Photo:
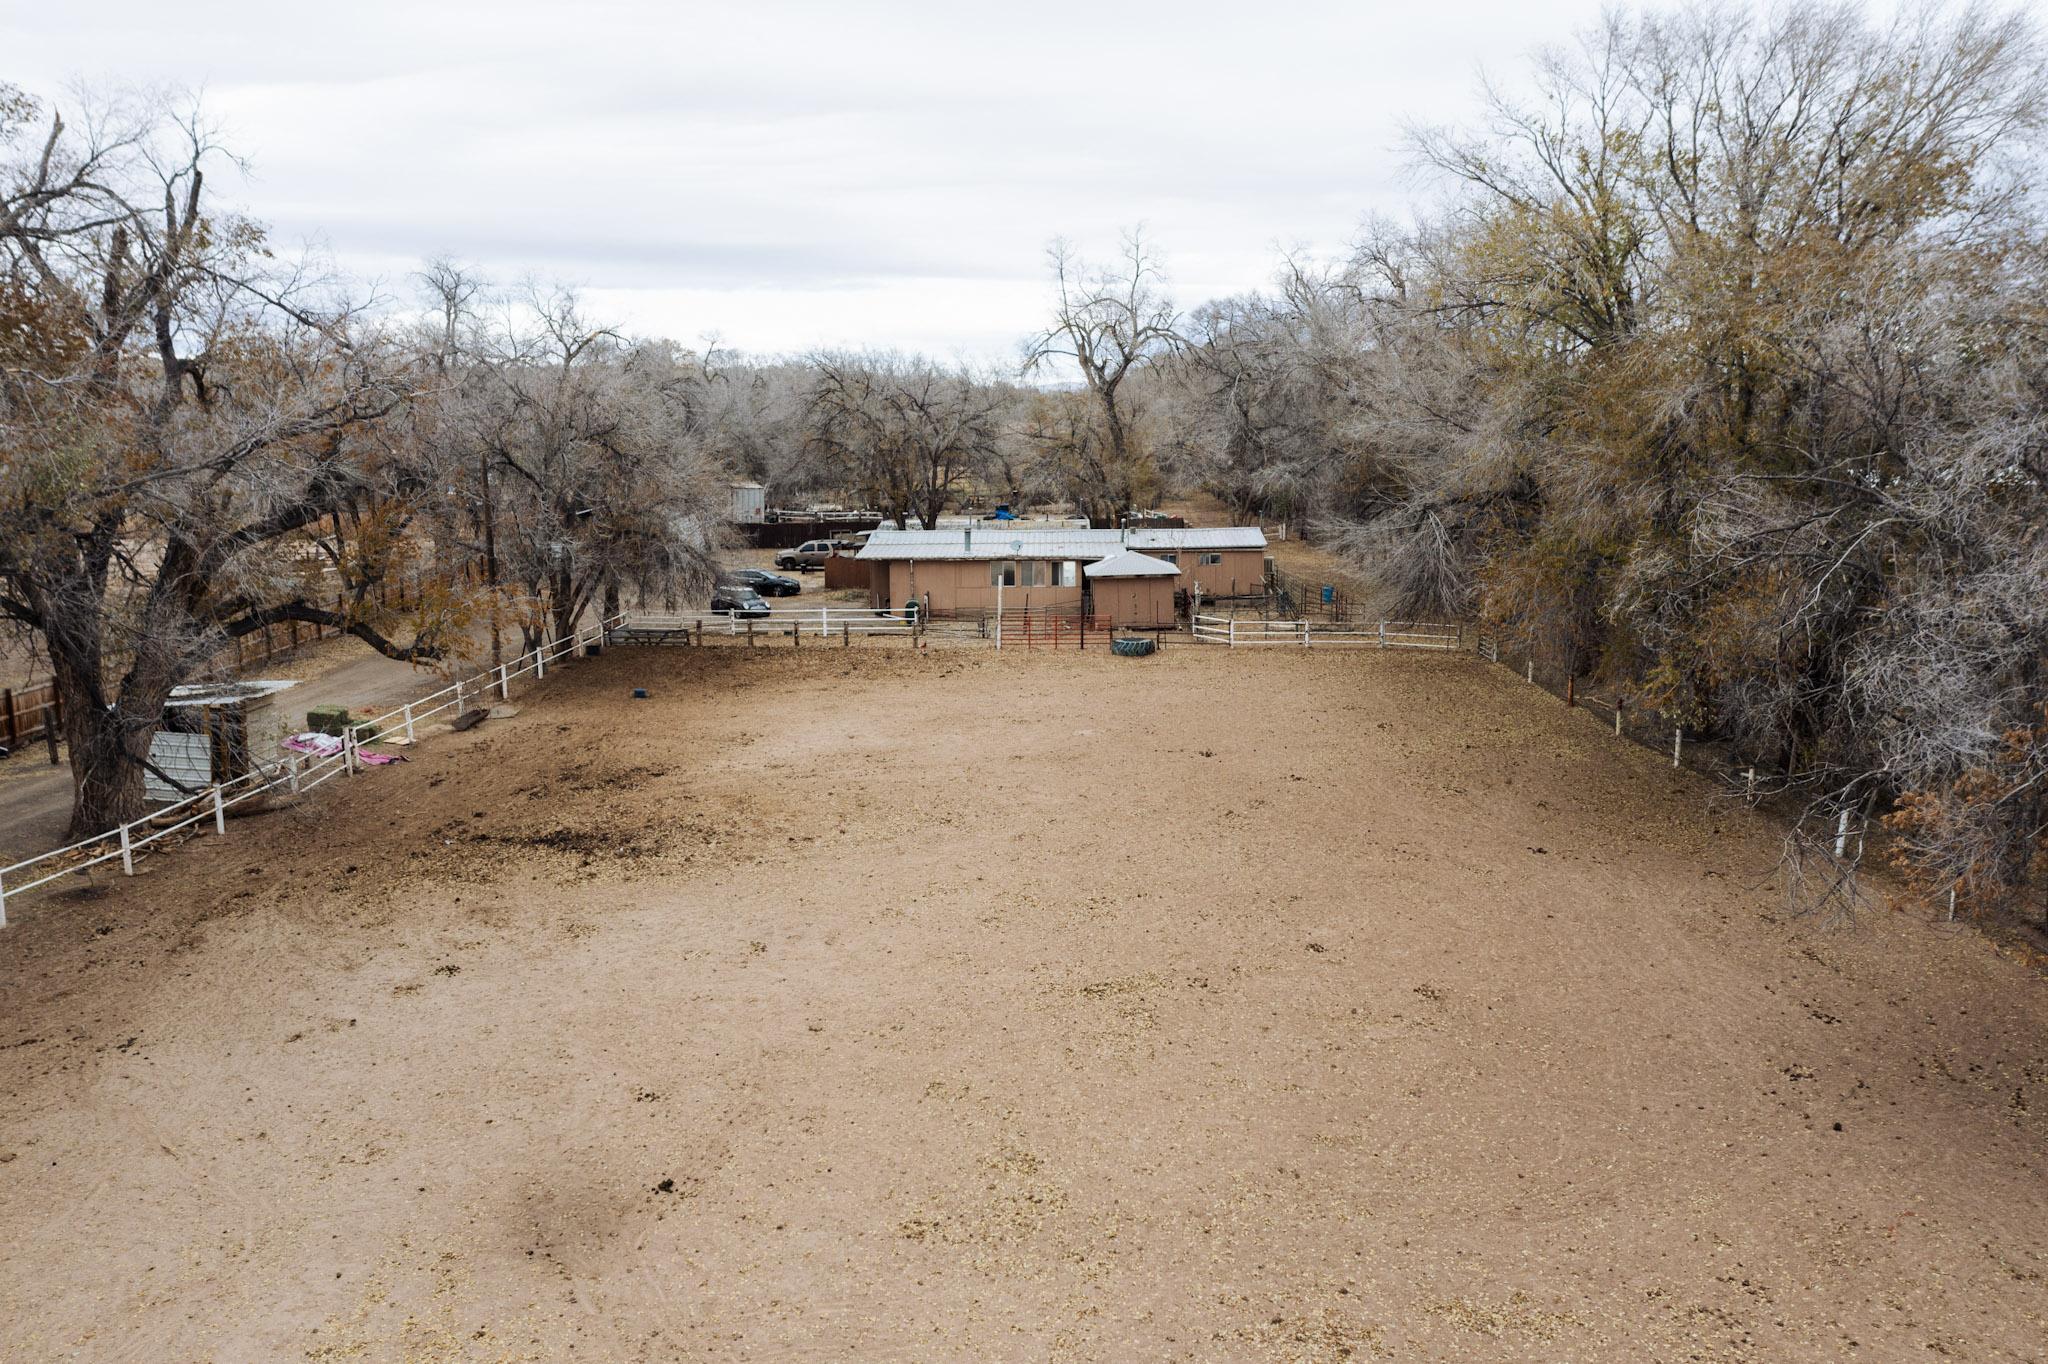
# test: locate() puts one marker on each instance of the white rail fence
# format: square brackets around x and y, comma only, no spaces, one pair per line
[821,622]
[1244,632]
[294,773]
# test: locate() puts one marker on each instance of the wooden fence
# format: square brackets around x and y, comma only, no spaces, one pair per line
[28,714]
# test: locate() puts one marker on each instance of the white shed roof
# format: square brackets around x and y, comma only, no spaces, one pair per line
[995,540]
[1131,564]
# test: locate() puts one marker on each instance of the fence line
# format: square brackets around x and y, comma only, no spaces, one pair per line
[1239,632]
[293,773]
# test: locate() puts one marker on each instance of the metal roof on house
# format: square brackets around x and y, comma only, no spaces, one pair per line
[226,693]
[995,540]
[1131,564]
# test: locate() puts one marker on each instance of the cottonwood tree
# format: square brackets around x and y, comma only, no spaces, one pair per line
[905,432]
[1109,322]
[1721,376]
[593,448]
[179,419]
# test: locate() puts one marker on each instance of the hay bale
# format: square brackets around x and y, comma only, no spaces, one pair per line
[333,720]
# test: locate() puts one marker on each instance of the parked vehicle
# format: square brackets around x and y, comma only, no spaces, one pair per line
[806,556]
[743,602]
[762,581]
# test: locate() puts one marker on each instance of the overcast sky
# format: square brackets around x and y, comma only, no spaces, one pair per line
[793,175]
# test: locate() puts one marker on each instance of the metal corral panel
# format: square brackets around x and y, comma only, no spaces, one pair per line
[187,757]
[994,540]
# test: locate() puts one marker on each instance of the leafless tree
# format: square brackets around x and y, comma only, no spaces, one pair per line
[179,418]
[1109,323]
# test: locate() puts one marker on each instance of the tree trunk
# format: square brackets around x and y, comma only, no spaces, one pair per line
[108,745]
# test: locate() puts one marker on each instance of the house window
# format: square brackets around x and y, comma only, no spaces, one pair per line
[1211,559]
[1019,573]
[1070,573]
[1170,558]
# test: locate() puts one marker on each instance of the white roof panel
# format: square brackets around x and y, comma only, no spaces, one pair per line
[1131,564]
[995,540]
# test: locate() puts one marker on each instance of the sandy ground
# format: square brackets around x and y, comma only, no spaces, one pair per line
[951,1006]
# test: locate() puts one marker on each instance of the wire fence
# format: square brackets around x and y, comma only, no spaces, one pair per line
[291,773]
[1632,718]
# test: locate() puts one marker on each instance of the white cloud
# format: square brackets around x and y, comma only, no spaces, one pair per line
[789,175]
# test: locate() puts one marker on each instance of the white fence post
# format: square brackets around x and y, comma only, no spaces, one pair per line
[1677,742]
[504,685]
[348,753]
[1383,634]
[127,853]
[1233,632]
[1529,671]
[292,772]
[220,813]
[408,725]
[3,903]
[824,621]
[1304,634]
[540,657]
[1842,834]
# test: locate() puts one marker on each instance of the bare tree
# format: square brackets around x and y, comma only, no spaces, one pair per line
[178,420]
[906,433]
[1109,322]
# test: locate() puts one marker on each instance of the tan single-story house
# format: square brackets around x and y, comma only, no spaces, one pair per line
[956,570]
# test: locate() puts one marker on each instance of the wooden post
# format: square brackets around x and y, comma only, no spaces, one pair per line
[845,635]
[220,813]
[53,716]
[700,632]
[750,632]
[1530,673]
[7,702]
[796,633]
[1571,694]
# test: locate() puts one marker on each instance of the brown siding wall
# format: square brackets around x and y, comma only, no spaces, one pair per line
[963,585]
[1135,601]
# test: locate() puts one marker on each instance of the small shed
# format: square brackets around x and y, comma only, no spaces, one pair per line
[1129,588]
[212,732]
[749,503]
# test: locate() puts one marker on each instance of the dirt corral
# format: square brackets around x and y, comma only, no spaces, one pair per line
[869,1005]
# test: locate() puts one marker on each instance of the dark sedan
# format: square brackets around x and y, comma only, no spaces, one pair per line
[762,581]
[743,602]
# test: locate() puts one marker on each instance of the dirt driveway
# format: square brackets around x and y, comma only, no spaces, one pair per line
[953,1006]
